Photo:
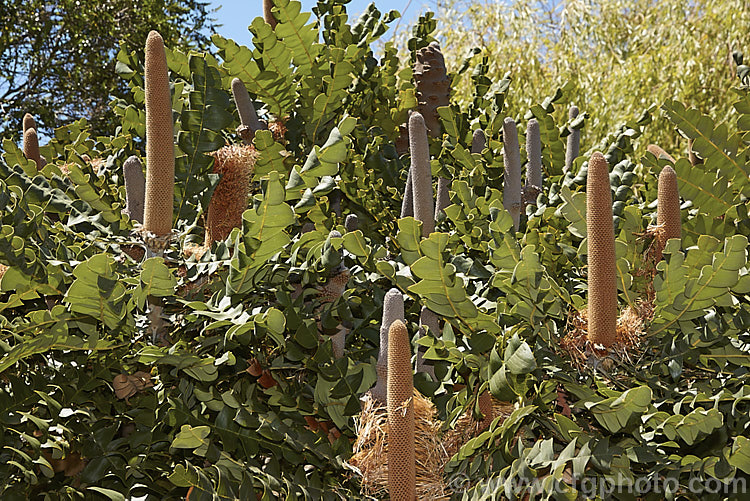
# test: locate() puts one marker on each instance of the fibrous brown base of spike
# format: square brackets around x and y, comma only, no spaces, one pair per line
[135,252]
[3,269]
[278,130]
[369,461]
[468,427]
[235,165]
[192,249]
[630,330]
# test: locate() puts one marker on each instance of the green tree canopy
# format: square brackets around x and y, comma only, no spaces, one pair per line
[57,58]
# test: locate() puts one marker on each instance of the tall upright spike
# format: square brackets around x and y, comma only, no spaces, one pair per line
[574,141]
[393,309]
[602,273]
[135,188]
[667,209]
[31,147]
[421,174]
[159,205]
[512,174]
[534,155]
[401,451]
[28,122]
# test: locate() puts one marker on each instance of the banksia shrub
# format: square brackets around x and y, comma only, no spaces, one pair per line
[512,174]
[135,188]
[249,122]
[574,141]
[432,85]
[235,165]
[478,141]
[159,203]
[268,14]
[421,175]
[393,309]
[667,210]
[602,274]
[401,455]
[31,147]
[659,152]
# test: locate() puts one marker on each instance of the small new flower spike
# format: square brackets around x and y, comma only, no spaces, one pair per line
[135,188]
[249,122]
[512,173]
[574,141]
[668,217]
[421,174]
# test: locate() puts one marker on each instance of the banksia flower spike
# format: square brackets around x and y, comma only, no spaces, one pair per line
[159,205]
[249,122]
[659,152]
[427,320]
[268,14]
[574,141]
[512,175]
[667,209]
[351,223]
[421,174]
[485,407]
[393,309]
[28,122]
[31,147]
[478,141]
[602,278]
[534,162]
[407,204]
[432,85]
[229,200]
[401,454]
[443,195]
[135,188]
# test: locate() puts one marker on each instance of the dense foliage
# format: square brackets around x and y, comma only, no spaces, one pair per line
[242,395]
[57,59]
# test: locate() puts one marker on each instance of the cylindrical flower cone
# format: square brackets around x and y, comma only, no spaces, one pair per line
[432,85]
[602,273]
[31,147]
[668,217]
[421,174]
[393,309]
[478,141]
[574,141]
[135,188]
[512,173]
[159,205]
[249,122]
[28,122]
[401,453]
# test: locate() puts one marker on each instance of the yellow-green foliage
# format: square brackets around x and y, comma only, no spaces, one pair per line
[671,48]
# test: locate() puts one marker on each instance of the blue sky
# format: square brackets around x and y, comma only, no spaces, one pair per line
[236,15]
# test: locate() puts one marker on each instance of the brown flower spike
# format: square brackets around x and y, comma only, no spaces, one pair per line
[668,209]
[602,274]
[401,454]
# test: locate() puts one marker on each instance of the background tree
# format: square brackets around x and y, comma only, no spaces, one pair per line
[57,58]
[619,56]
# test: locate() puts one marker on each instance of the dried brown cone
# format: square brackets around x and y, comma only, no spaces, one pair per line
[668,218]
[401,455]
[159,205]
[602,274]
[235,165]
[658,152]
[574,141]
[268,14]
[432,85]
[31,147]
